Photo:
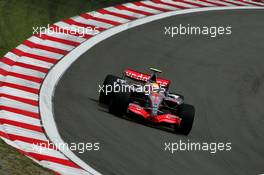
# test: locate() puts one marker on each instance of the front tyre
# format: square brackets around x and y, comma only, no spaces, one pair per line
[119,103]
[109,81]
[186,113]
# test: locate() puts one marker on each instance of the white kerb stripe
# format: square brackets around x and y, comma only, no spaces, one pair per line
[221,2]
[181,3]
[19,93]
[26,60]
[255,2]
[200,2]
[165,7]
[39,52]
[18,105]
[125,12]
[35,62]
[32,148]
[4,66]
[19,118]
[22,82]
[92,22]
[27,71]
[238,2]
[49,43]
[64,36]
[142,8]
[109,17]
[65,170]
[10,129]
[75,29]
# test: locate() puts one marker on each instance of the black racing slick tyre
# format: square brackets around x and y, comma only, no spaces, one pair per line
[104,97]
[119,103]
[186,113]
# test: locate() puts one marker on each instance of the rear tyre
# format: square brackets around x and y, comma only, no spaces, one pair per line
[186,113]
[119,103]
[109,81]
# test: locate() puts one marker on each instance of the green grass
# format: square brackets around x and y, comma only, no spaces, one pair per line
[18,17]
[14,163]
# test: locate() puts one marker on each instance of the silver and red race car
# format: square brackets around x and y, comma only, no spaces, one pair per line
[147,97]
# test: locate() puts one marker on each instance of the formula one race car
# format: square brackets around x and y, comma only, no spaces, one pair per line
[147,97]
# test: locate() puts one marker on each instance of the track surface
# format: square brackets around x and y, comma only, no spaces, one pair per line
[223,77]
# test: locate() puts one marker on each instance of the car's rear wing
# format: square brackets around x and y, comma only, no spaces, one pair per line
[144,77]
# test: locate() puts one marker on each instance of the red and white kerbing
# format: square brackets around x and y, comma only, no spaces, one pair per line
[25,104]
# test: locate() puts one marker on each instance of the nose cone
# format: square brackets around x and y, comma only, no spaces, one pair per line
[155,99]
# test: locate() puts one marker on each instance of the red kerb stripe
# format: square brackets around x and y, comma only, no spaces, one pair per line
[24,100]
[38,57]
[20,111]
[22,125]
[104,11]
[214,3]
[169,4]
[88,16]
[47,48]
[122,7]
[59,40]
[10,62]
[150,6]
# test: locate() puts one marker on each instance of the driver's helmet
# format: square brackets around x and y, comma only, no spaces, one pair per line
[152,87]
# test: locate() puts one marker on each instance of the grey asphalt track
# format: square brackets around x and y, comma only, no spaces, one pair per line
[222,77]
